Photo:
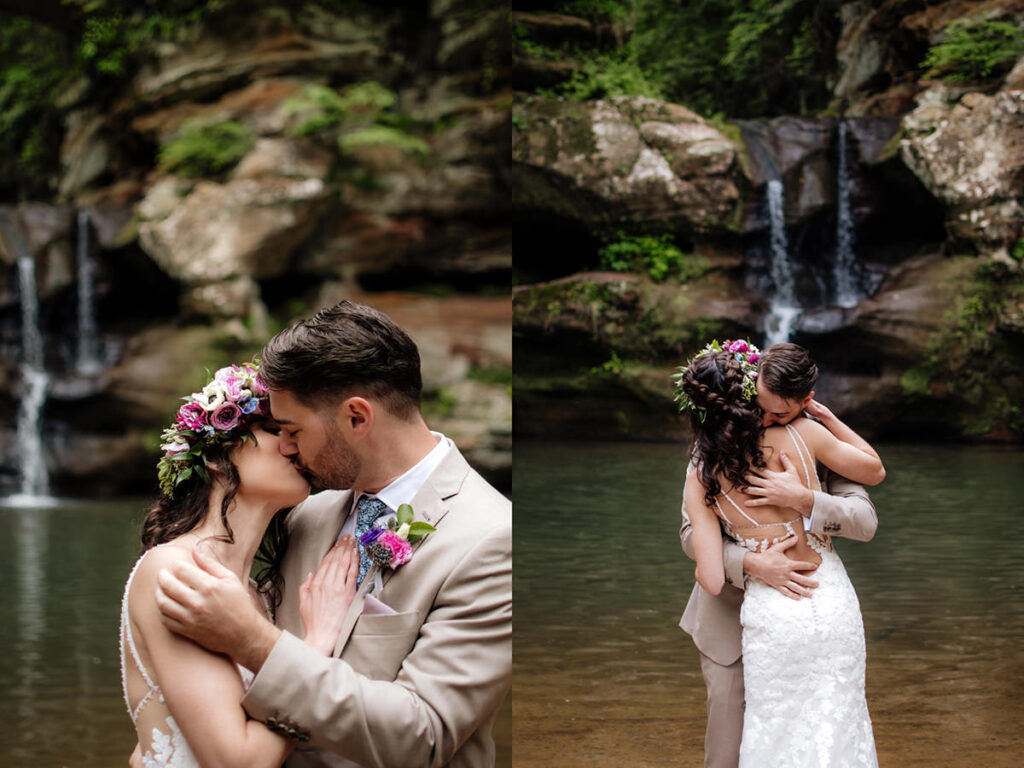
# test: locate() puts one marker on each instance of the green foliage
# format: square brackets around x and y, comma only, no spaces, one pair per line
[658,257]
[604,75]
[744,58]
[439,404]
[1017,251]
[383,134]
[974,49]
[613,365]
[31,76]
[599,10]
[970,357]
[491,374]
[206,149]
[357,116]
[319,109]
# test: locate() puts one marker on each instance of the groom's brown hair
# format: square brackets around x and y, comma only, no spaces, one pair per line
[345,350]
[788,371]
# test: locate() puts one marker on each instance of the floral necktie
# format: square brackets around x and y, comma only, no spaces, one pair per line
[368,509]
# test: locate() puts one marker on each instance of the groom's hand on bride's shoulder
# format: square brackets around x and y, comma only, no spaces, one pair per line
[206,602]
[779,572]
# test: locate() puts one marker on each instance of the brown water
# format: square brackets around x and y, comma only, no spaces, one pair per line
[604,677]
[60,686]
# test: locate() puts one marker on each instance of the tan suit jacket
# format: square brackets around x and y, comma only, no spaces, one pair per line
[714,620]
[422,686]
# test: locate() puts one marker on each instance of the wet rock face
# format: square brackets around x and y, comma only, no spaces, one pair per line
[623,159]
[297,224]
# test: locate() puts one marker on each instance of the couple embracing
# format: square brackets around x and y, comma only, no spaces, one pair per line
[773,615]
[377,629]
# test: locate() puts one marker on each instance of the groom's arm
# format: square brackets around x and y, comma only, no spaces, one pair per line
[844,510]
[732,553]
[450,683]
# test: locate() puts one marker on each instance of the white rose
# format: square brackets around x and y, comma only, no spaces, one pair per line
[212,397]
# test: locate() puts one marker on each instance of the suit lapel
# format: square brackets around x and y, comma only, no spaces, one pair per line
[429,505]
[431,502]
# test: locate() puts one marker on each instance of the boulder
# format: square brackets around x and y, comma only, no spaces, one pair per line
[246,228]
[968,151]
[627,159]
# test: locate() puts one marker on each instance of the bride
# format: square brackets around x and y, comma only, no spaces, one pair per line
[223,482]
[803,660]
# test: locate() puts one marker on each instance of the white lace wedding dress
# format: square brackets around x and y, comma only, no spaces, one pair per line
[163,742]
[803,664]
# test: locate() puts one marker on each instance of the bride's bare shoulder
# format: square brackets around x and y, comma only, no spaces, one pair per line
[143,587]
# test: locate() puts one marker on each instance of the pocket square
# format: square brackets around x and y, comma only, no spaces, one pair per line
[374,607]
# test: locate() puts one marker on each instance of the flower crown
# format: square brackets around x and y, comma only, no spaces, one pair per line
[745,353]
[217,415]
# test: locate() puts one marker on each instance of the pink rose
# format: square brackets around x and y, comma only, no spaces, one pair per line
[259,389]
[739,346]
[191,416]
[401,550]
[753,358]
[232,380]
[226,417]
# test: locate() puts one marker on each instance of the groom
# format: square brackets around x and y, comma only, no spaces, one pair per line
[421,667]
[785,389]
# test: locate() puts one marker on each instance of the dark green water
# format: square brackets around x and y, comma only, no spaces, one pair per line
[604,677]
[60,685]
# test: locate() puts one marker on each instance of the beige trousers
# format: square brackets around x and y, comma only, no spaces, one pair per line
[725,713]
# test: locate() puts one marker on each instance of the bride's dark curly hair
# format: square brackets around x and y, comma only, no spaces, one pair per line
[170,518]
[727,442]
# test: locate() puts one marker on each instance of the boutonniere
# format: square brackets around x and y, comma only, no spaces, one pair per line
[390,546]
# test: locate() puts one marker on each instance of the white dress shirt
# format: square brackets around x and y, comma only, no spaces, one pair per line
[404,488]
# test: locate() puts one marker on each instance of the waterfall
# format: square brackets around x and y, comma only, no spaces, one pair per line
[784,309]
[34,482]
[846,294]
[87,361]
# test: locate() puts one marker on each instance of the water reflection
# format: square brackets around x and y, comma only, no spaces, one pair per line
[59,680]
[604,677]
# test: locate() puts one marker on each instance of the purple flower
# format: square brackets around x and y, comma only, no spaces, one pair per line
[226,417]
[248,405]
[370,536]
[191,416]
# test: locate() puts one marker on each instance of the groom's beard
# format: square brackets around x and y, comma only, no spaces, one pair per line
[335,467]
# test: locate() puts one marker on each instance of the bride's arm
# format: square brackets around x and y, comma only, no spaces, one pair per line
[203,690]
[706,537]
[855,459]
[838,428]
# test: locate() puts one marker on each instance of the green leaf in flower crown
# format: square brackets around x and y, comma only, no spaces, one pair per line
[405,514]
[201,471]
[184,476]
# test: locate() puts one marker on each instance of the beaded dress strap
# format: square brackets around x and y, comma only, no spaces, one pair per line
[126,634]
[801,449]
[735,506]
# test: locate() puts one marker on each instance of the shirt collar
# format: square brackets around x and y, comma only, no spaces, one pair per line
[403,489]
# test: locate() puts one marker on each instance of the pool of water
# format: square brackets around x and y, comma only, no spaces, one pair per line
[604,677]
